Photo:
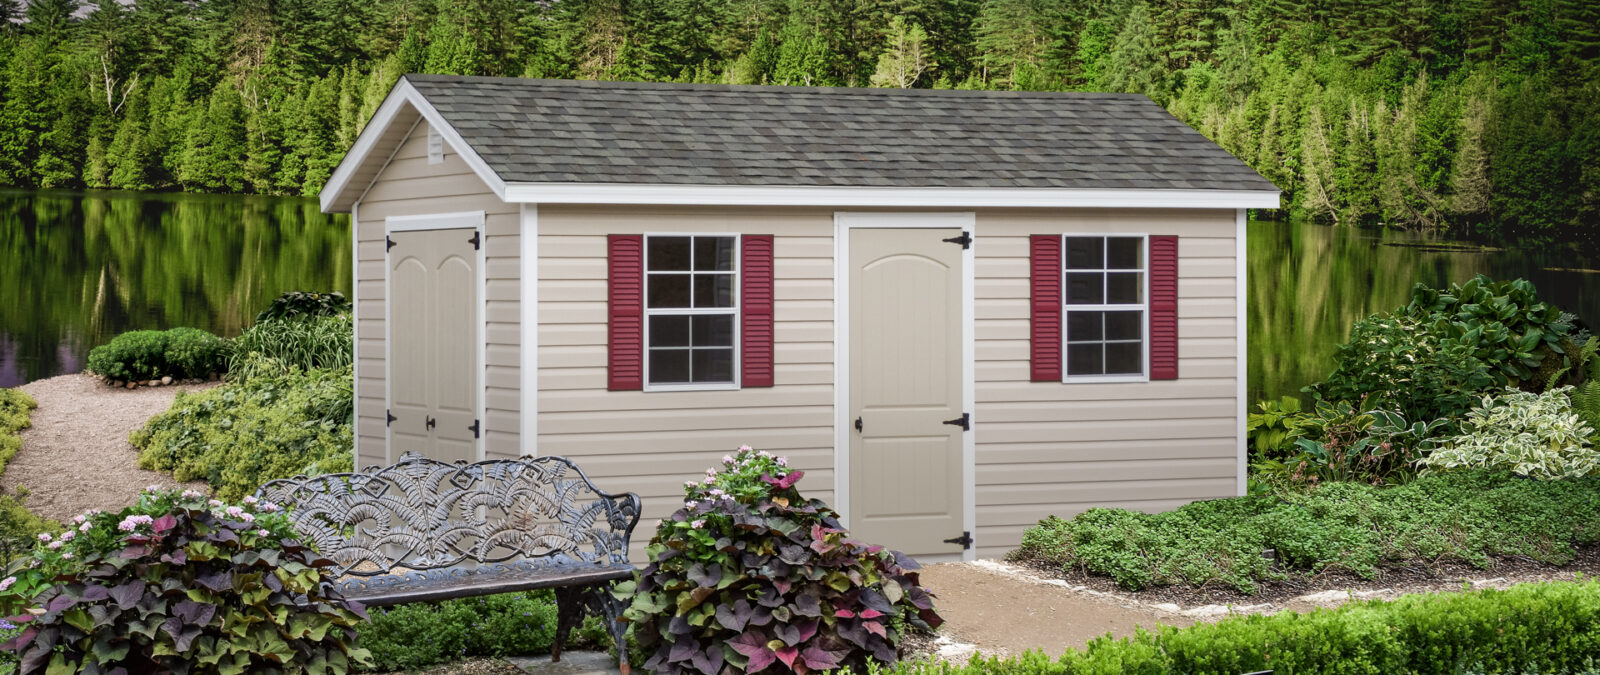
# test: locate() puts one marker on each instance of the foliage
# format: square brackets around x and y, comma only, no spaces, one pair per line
[244,433]
[1274,428]
[1521,339]
[18,525]
[1586,395]
[179,584]
[1338,442]
[1533,435]
[300,304]
[279,346]
[418,635]
[16,406]
[1486,117]
[1528,628]
[149,354]
[749,574]
[1468,516]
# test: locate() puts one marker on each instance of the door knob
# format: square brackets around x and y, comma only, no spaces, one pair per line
[430,422]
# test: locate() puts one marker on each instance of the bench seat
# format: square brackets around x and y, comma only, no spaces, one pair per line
[457,582]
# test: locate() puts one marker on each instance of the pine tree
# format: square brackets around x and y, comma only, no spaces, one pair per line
[802,57]
[1134,64]
[1469,180]
[904,59]
[1358,169]
[1318,196]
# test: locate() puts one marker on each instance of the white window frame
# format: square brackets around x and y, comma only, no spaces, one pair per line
[733,311]
[1144,353]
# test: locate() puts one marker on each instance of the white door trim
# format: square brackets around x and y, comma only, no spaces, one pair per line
[529,326]
[439,221]
[1241,339]
[355,330]
[844,221]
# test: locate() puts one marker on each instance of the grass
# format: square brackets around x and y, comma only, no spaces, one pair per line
[277,346]
[1468,516]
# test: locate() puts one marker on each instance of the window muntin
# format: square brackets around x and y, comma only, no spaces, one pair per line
[1106,300]
[691,311]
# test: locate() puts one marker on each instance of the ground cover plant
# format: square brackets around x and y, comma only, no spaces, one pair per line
[245,433]
[418,635]
[1533,435]
[1469,516]
[16,407]
[179,583]
[18,525]
[1528,629]
[751,575]
[150,354]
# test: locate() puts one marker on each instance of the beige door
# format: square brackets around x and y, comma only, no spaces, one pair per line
[905,384]
[433,334]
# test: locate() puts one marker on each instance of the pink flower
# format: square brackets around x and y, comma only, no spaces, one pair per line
[711,473]
[782,461]
[54,545]
[235,511]
[269,507]
[44,536]
[690,484]
[214,502]
[67,555]
[6,582]
[68,535]
[77,519]
[716,492]
[250,500]
[727,459]
[745,448]
[85,527]
[698,524]
[247,517]
[690,504]
[193,494]
[264,533]
[128,524]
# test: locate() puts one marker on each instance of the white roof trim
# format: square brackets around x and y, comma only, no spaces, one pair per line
[402,94]
[927,197]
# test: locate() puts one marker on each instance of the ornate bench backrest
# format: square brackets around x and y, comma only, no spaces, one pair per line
[422,514]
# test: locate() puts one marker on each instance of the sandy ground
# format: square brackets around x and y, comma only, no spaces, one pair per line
[76,456]
[1003,614]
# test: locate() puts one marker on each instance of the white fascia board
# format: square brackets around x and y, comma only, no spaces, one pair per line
[926,197]
[402,94]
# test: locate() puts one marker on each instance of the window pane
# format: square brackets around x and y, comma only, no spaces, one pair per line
[1124,325]
[1085,253]
[669,331]
[668,253]
[713,253]
[1122,253]
[1084,359]
[1085,289]
[1123,358]
[713,290]
[1083,326]
[669,290]
[1122,288]
[713,331]
[669,366]
[713,365]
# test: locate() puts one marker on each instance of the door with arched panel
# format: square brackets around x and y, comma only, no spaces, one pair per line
[433,338]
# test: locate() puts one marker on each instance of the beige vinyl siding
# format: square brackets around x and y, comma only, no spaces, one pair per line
[407,186]
[1048,448]
[651,442]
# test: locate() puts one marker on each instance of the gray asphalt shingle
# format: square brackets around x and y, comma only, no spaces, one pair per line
[558,131]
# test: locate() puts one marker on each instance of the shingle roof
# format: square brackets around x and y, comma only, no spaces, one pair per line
[566,131]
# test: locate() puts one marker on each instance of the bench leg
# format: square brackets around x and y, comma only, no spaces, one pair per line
[569,611]
[611,611]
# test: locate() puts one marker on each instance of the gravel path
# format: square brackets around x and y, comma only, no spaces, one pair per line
[77,456]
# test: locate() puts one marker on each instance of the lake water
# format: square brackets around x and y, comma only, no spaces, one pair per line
[76,269]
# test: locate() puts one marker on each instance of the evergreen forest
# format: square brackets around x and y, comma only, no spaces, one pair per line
[1479,115]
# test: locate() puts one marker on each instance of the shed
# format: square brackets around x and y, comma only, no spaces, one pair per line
[959,312]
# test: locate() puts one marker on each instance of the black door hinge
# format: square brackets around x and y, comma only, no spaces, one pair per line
[965,240]
[388,243]
[391,419]
[964,421]
[429,422]
[858,425]
[474,240]
[474,428]
[965,540]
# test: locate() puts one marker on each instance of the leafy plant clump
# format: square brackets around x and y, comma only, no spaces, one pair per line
[1529,628]
[1533,435]
[245,433]
[407,637]
[749,574]
[16,409]
[1336,442]
[177,583]
[149,354]
[1467,516]
[299,304]
[279,345]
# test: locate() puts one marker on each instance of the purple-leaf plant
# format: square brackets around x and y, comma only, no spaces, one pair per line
[750,577]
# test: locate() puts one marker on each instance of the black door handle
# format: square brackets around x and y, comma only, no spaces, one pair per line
[429,423]
[858,425]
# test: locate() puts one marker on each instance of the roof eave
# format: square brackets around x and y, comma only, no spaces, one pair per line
[898,197]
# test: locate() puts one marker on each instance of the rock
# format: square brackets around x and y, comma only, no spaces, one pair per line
[153,383]
[1207,610]
[166,380]
[214,377]
[114,383]
[132,384]
[1168,607]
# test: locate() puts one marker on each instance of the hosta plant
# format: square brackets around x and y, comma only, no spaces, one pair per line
[1534,435]
[178,584]
[751,577]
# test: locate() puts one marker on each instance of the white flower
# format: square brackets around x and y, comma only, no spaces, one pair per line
[152,488]
[85,527]
[690,504]
[78,519]
[716,492]
[234,511]
[698,524]
[264,533]
[6,582]
[711,473]
[67,555]
[54,545]
[44,536]
[193,494]
[782,461]
[68,535]
[269,507]
[250,500]
[745,448]
[727,459]
[215,502]
[247,517]
[690,484]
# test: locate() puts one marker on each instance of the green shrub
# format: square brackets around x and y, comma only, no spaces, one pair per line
[418,635]
[748,574]
[1530,629]
[16,407]
[149,354]
[1467,516]
[242,434]
[277,346]
[1534,435]
[1339,443]
[178,584]
[295,304]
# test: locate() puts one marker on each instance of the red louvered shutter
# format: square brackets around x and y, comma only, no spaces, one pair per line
[1163,308]
[755,310]
[1046,315]
[625,312]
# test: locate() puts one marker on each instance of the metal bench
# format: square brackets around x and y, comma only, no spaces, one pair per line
[423,530]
